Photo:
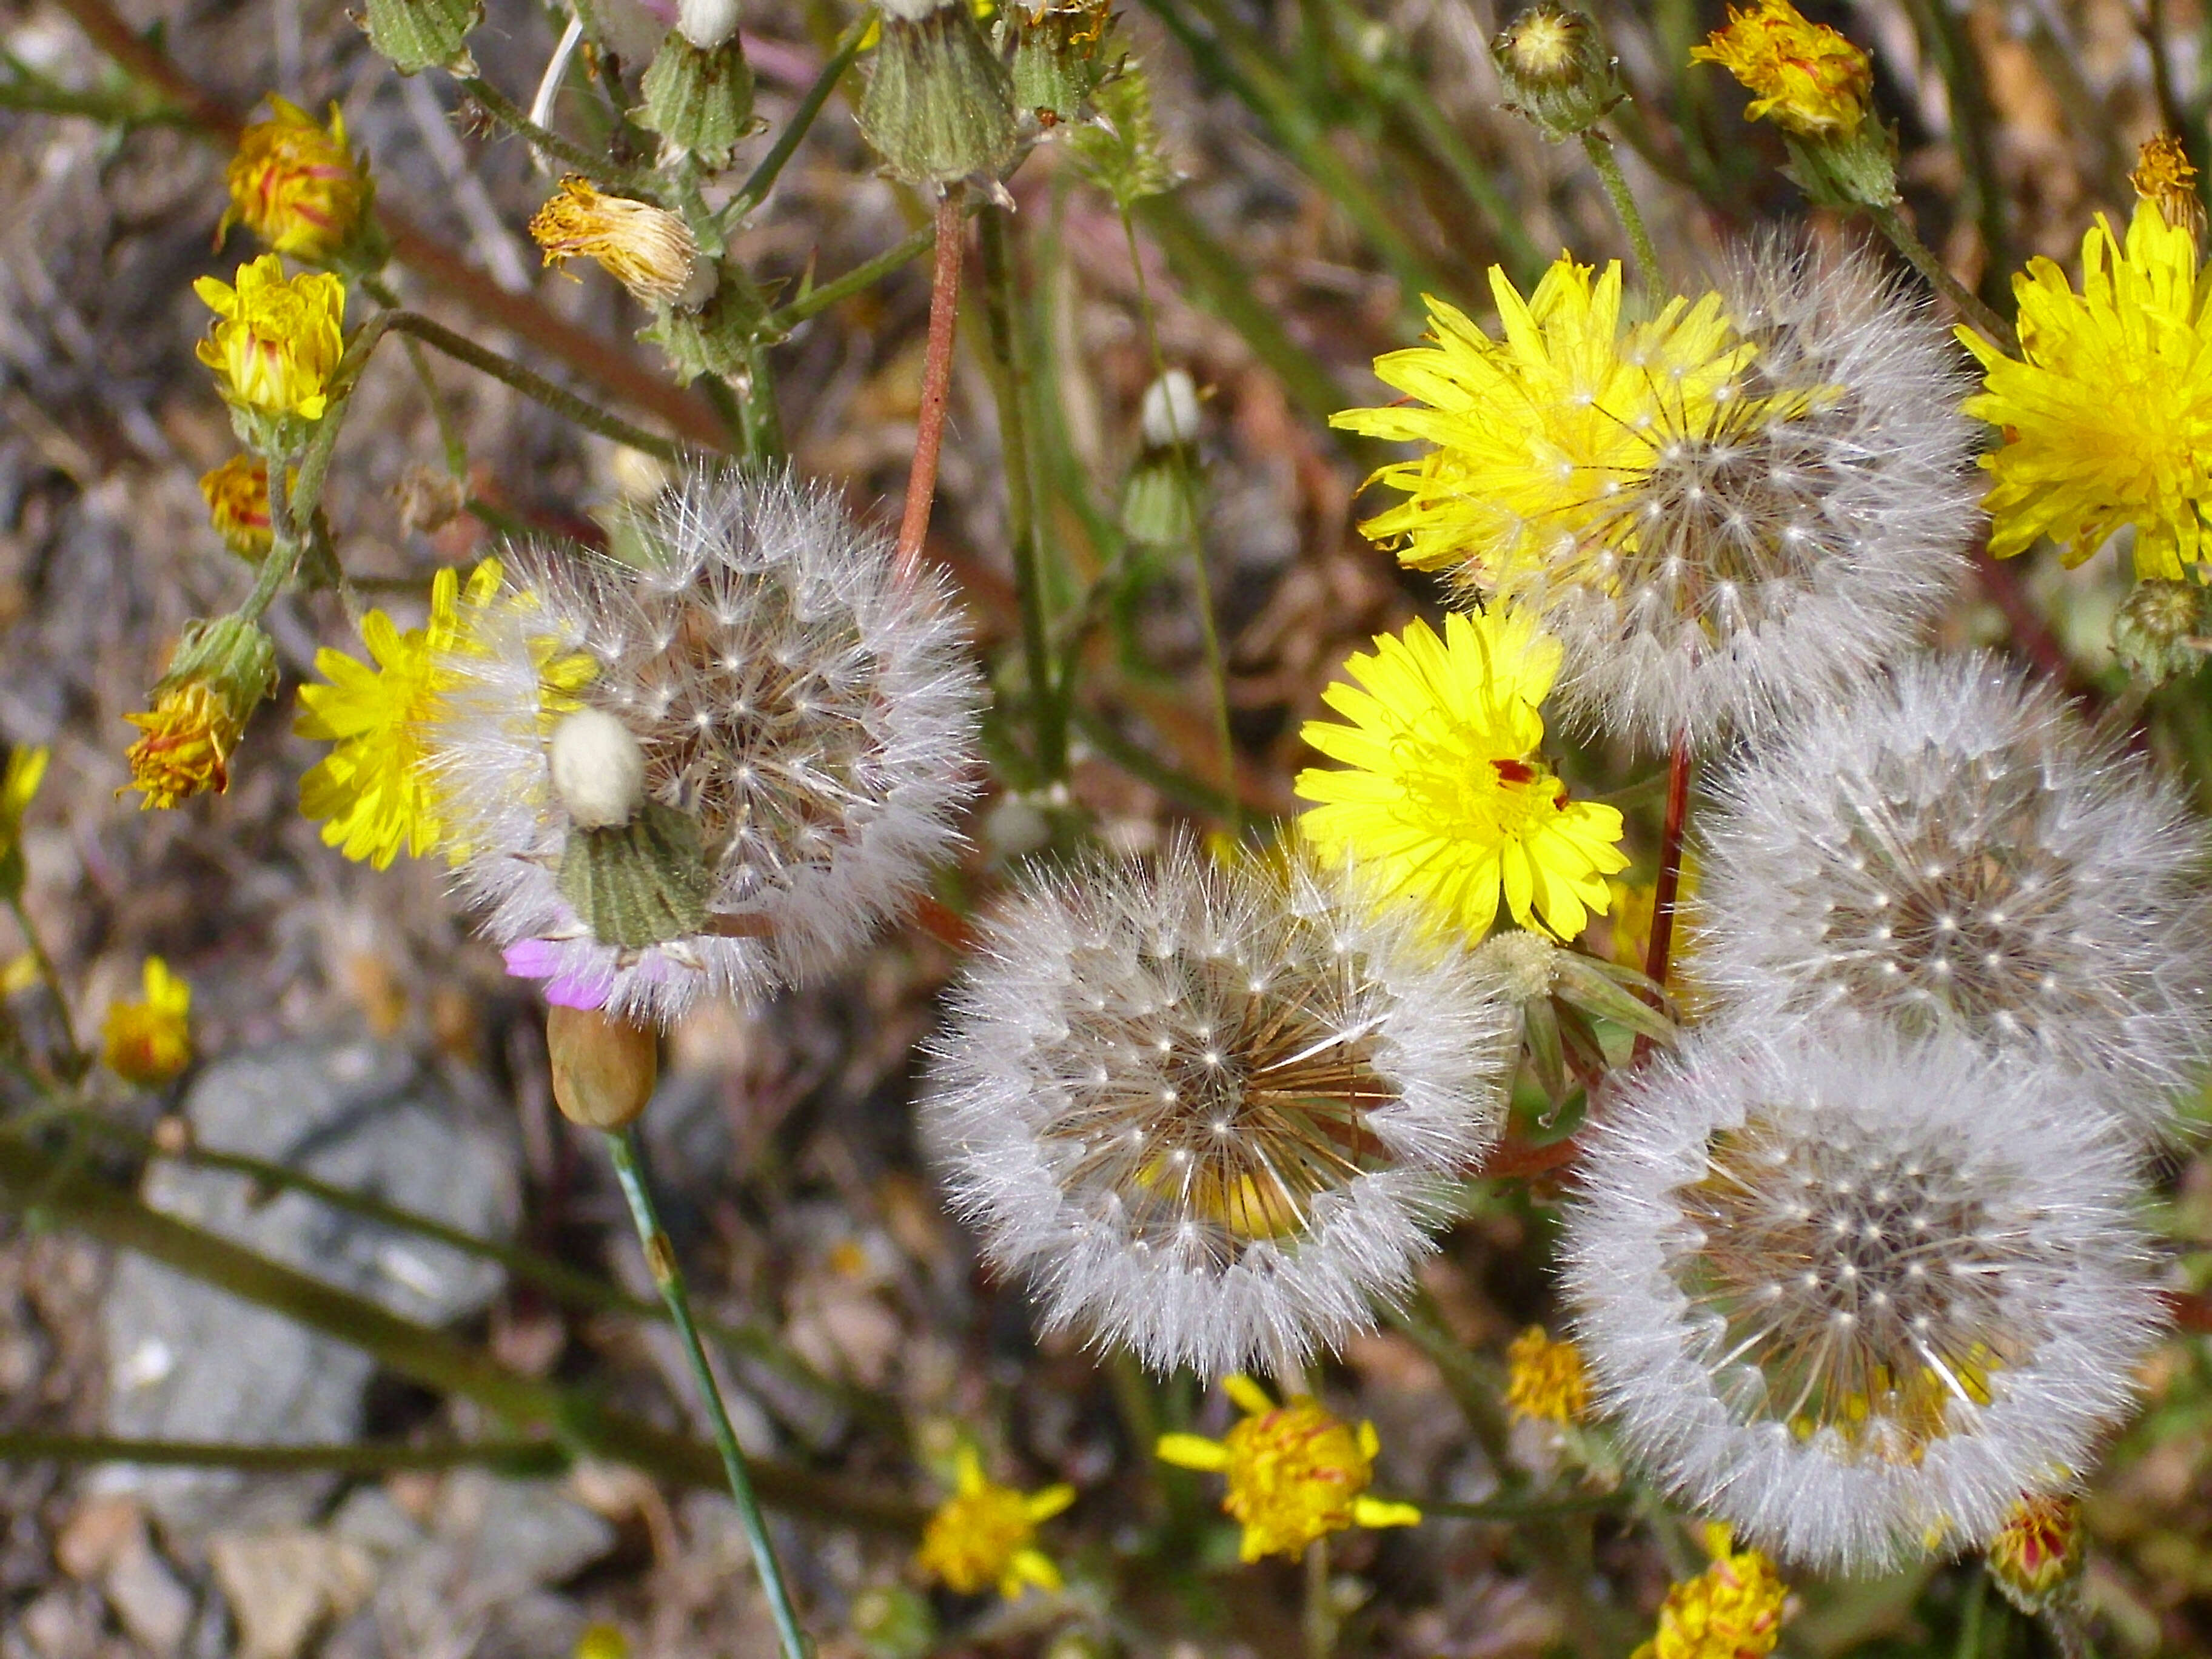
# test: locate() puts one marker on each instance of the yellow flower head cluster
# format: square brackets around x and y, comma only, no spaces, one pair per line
[1539,436]
[296,185]
[985,1534]
[648,250]
[148,1042]
[190,732]
[1733,1610]
[2037,1553]
[2107,411]
[1443,798]
[1808,79]
[237,494]
[1545,1379]
[372,788]
[1296,1472]
[276,343]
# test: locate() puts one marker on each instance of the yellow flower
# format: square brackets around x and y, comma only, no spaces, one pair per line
[1546,1378]
[149,1043]
[372,787]
[2037,1553]
[237,494]
[1809,79]
[1296,1472]
[1445,796]
[648,250]
[296,185]
[1733,1610]
[2163,174]
[18,787]
[190,732]
[2107,414]
[276,343]
[985,1534]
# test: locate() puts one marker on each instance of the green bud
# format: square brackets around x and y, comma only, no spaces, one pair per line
[713,338]
[1856,170]
[2158,632]
[420,34]
[1060,55]
[641,882]
[700,98]
[892,1621]
[1558,71]
[939,105]
[233,656]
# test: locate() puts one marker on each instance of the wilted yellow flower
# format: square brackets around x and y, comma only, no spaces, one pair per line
[276,343]
[1545,1379]
[1296,1472]
[2037,1553]
[237,494]
[372,787]
[648,250]
[2107,412]
[296,185]
[1443,796]
[2163,174]
[985,1534]
[149,1043]
[18,787]
[1732,1610]
[1808,79]
[190,732]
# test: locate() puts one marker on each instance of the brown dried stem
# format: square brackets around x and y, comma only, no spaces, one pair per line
[936,378]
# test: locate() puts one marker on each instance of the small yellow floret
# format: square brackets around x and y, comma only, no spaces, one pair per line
[1733,1610]
[2163,175]
[985,1534]
[1547,1379]
[190,732]
[149,1043]
[2038,1551]
[2107,413]
[1296,1472]
[1444,797]
[237,494]
[372,787]
[296,185]
[18,787]
[648,250]
[275,343]
[1808,79]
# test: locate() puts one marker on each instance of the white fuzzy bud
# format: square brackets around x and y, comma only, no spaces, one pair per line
[1170,410]
[598,769]
[707,23]
[912,11]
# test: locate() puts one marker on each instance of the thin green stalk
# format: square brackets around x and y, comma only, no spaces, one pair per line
[1010,385]
[601,172]
[1891,224]
[1970,1616]
[519,1458]
[762,179]
[449,434]
[1599,149]
[1217,667]
[50,975]
[1971,126]
[1318,1616]
[668,1275]
[860,277]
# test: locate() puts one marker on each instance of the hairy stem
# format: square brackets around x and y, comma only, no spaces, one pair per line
[50,975]
[936,379]
[762,179]
[1599,149]
[1903,238]
[668,1275]
[496,104]
[1665,890]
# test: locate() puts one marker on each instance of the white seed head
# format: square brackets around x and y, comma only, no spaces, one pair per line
[597,769]
[1211,1112]
[914,11]
[1953,849]
[813,712]
[1788,539]
[707,24]
[1851,1292]
[1169,412]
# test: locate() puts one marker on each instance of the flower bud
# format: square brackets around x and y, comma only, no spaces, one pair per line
[598,769]
[420,34]
[939,105]
[237,494]
[1059,56]
[603,1069]
[647,249]
[707,24]
[1818,88]
[1159,499]
[297,186]
[2158,631]
[220,672]
[714,337]
[699,97]
[2036,1555]
[1558,71]
[274,347]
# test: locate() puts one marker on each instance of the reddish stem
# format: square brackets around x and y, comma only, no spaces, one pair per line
[936,378]
[1664,891]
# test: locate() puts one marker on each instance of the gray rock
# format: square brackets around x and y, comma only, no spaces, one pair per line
[188,1362]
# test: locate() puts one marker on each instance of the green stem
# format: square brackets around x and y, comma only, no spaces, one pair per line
[511,1457]
[501,109]
[860,277]
[1317,1618]
[1977,1595]
[668,1275]
[1972,121]
[79,1062]
[762,179]
[1891,224]
[1599,149]
[1011,387]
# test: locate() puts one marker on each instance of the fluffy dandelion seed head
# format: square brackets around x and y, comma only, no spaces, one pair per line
[810,713]
[1849,1291]
[1745,501]
[1953,849]
[1210,1111]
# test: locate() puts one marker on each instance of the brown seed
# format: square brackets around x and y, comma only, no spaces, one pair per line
[603,1069]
